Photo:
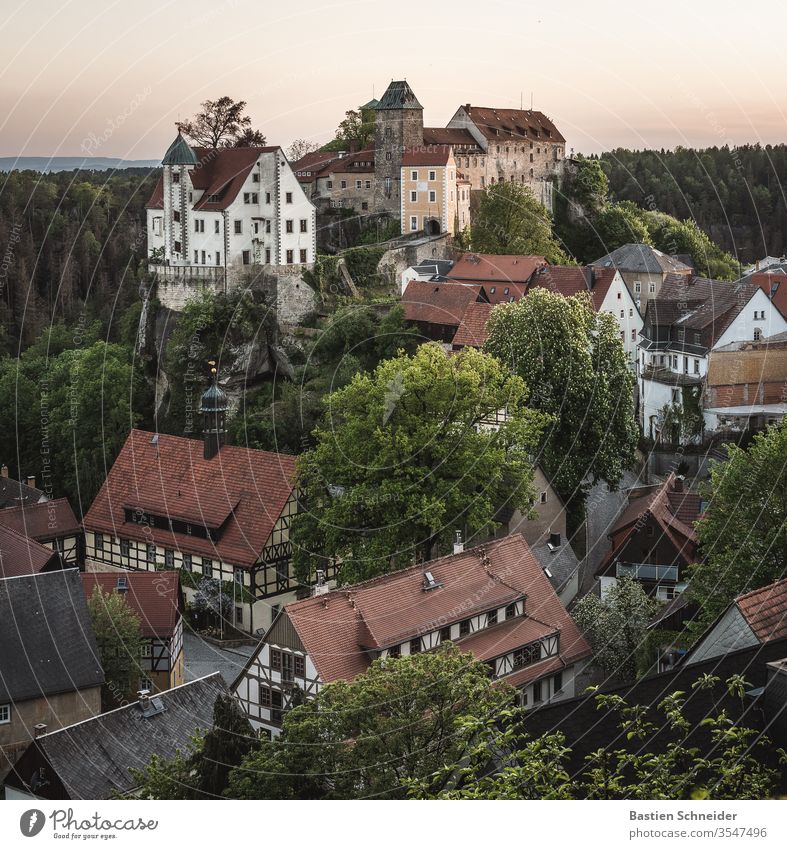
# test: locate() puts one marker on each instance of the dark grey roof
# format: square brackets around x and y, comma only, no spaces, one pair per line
[14,494]
[92,758]
[562,563]
[399,95]
[435,266]
[639,257]
[46,637]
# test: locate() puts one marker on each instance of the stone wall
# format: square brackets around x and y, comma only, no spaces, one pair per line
[398,259]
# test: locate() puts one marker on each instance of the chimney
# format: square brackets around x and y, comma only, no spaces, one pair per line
[143,696]
[757,265]
[4,471]
[320,588]
[678,485]
[31,481]
[39,729]
[591,278]
[459,546]
[353,145]
[554,540]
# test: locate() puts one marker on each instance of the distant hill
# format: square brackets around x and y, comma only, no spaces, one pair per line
[46,164]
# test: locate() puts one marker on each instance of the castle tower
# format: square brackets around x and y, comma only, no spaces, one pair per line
[399,123]
[177,162]
[214,406]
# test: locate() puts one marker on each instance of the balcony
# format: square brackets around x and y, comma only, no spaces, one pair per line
[647,572]
[661,374]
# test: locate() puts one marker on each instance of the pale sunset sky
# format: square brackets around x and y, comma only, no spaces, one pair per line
[678,72]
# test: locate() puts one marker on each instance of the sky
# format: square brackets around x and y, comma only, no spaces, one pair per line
[110,78]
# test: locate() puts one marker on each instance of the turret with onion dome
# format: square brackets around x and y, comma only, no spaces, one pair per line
[214,406]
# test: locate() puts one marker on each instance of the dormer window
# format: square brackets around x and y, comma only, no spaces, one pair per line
[511,610]
[464,628]
[415,645]
[491,618]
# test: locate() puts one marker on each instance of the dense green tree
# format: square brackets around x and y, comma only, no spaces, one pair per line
[511,221]
[119,640]
[743,533]
[402,460]
[576,370]
[356,127]
[737,762]
[396,722]
[616,627]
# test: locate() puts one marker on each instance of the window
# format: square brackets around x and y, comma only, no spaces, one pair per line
[537,692]
[176,215]
[464,627]
[255,178]
[651,288]
[177,247]
[267,256]
[388,155]
[275,659]
[216,226]
[265,696]
[239,614]
[302,255]
[757,334]
[289,257]
[289,226]
[634,335]
[147,650]
[169,558]
[238,226]
[329,184]
[175,177]
[99,542]
[368,184]
[145,684]
[413,197]
[527,655]
[637,286]
[207,567]
[432,175]
[358,184]
[622,312]
[5,714]
[415,645]
[511,610]
[203,257]
[445,633]
[364,205]
[288,197]
[413,222]
[394,651]
[199,225]
[557,682]
[196,257]
[649,531]
[631,312]
[246,257]
[151,552]
[299,664]
[218,257]
[125,548]
[276,705]
[491,618]
[267,197]
[413,175]
[268,226]
[187,561]
[432,196]
[343,184]
[237,576]
[696,366]
[304,225]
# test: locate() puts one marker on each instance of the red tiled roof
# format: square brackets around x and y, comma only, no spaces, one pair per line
[513,124]
[439,303]
[43,521]
[154,596]
[775,287]
[313,162]
[156,200]
[431,154]
[532,673]
[172,478]
[455,136]
[472,330]
[20,555]
[338,627]
[494,268]
[569,280]
[766,611]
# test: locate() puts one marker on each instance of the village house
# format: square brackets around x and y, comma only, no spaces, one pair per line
[746,385]
[210,509]
[21,555]
[93,759]
[156,598]
[493,601]
[435,198]
[436,309]
[643,269]
[14,493]
[691,317]
[752,620]
[50,674]
[215,211]
[654,539]
[50,523]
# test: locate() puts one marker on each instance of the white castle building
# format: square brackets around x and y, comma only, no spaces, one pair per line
[214,211]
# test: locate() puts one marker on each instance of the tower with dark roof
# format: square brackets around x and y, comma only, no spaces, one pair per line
[177,162]
[214,406]
[399,124]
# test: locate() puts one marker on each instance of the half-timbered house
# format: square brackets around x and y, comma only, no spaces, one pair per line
[493,600]
[50,523]
[157,600]
[209,509]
